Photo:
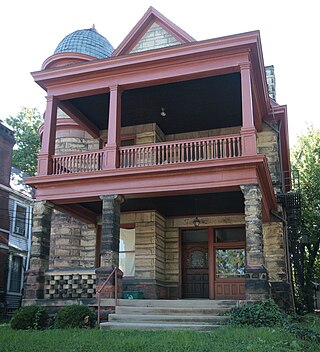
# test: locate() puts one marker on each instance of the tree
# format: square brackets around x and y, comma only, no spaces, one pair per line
[25,126]
[306,242]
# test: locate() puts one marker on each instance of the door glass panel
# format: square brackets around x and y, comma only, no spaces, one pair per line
[197,260]
[230,235]
[195,236]
[230,262]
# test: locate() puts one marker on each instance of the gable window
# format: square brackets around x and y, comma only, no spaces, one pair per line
[127,251]
[20,220]
[16,274]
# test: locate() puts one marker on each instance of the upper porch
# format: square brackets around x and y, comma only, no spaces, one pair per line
[207,100]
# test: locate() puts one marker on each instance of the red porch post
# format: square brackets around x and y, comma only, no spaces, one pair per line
[111,154]
[248,131]
[48,137]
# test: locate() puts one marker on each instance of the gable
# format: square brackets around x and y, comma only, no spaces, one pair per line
[155,37]
[153,31]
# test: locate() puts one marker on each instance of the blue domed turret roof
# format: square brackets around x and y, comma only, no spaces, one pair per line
[86,41]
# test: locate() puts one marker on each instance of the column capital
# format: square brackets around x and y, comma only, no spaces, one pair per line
[116,87]
[245,65]
[113,197]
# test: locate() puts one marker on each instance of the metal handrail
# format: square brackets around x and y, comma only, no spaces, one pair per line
[98,292]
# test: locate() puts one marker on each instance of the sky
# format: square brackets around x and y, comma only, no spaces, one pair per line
[31,30]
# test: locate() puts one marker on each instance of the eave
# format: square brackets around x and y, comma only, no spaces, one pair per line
[160,180]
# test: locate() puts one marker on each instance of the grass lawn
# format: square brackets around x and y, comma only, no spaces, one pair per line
[225,339]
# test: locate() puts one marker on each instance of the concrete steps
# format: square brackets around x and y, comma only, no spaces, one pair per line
[169,314]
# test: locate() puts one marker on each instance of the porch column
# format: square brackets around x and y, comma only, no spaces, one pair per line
[248,131]
[110,235]
[110,232]
[48,137]
[40,248]
[256,275]
[111,158]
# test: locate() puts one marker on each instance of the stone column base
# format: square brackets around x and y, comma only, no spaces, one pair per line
[256,283]
[281,292]
[109,289]
[34,284]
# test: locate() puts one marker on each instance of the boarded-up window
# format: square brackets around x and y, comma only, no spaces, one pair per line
[127,251]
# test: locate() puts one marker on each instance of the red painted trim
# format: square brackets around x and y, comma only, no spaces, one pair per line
[63,124]
[152,15]
[61,59]
[162,180]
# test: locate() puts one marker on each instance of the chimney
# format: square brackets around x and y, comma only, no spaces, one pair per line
[271,81]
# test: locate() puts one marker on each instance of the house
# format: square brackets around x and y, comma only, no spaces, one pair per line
[163,157]
[6,145]
[15,226]
[20,213]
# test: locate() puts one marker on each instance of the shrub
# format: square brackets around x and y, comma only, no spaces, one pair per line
[30,317]
[264,313]
[75,316]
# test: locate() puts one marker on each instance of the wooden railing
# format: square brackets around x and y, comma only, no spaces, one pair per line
[181,151]
[79,162]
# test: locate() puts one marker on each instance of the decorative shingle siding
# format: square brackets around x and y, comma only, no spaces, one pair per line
[156,37]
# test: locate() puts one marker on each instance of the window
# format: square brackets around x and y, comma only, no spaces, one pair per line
[16,274]
[127,251]
[20,223]
[230,263]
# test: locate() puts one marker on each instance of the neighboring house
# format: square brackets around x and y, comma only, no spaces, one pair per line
[171,147]
[15,225]
[20,212]
[6,146]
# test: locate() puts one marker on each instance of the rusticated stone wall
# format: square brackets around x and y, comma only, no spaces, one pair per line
[40,248]
[73,243]
[267,143]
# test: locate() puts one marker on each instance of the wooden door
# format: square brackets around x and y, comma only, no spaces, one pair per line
[195,270]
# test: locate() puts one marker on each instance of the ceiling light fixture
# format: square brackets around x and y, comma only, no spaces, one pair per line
[163,112]
[196,222]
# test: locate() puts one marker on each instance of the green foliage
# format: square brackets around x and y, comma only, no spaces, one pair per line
[25,126]
[30,317]
[264,313]
[305,242]
[75,316]
[302,333]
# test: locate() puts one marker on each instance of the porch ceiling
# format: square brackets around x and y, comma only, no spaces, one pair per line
[191,204]
[193,105]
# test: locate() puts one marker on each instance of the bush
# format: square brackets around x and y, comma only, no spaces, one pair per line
[30,317]
[75,316]
[264,313]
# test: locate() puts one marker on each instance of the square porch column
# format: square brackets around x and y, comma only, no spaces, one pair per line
[40,250]
[48,137]
[248,131]
[111,149]
[109,251]
[256,274]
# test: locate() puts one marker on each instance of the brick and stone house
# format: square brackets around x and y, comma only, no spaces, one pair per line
[162,157]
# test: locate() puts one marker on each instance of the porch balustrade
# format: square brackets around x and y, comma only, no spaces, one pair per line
[78,162]
[180,151]
[175,152]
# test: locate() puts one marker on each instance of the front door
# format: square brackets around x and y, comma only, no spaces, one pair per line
[213,262]
[195,264]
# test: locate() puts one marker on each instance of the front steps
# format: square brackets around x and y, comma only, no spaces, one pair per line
[200,315]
